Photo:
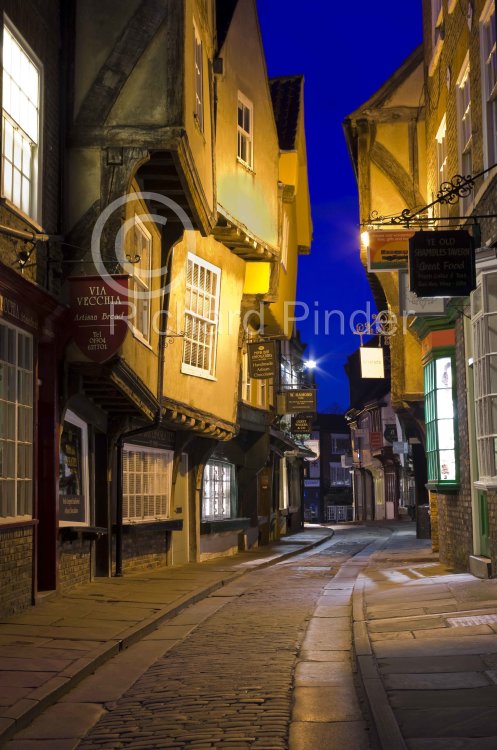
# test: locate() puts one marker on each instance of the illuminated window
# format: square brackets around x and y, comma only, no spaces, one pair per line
[245,131]
[464,128]
[73,472]
[139,281]
[16,422]
[262,391]
[147,481]
[201,317]
[20,124]
[439,418]
[484,319]
[246,379]
[339,477]
[199,83]
[489,81]
[218,491]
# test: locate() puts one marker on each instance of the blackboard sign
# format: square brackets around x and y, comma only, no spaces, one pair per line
[442,264]
[302,424]
[71,489]
[262,359]
[301,400]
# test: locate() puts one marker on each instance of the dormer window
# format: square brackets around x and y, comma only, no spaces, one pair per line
[245,126]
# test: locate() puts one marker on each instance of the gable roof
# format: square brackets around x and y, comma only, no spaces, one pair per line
[225,10]
[286,93]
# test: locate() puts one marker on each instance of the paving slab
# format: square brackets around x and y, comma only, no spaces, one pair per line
[436,680]
[479,644]
[454,743]
[466,698]
[448,722]
[326,704]
[313,674]
[339,735]
[64,721]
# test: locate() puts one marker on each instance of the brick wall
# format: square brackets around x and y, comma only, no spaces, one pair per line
[455,526]
[75,564]
[16,562]
[144,548]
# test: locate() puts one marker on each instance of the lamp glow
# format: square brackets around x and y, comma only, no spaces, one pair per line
[365,238]
[310,364]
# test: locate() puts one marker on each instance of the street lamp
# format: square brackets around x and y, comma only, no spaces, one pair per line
[310,364]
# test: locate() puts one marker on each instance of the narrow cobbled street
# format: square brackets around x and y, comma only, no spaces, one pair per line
[265,662]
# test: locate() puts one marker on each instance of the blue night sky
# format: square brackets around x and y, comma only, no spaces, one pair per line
[345,50]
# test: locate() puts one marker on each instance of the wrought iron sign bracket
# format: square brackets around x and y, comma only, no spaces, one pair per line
[449,193]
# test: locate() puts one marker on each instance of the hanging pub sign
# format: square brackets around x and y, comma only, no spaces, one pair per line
[300,400]
[372,365]
[312,445]
[99,315]
[388,250]
[302,424]
[390,433]
[262,359]
[442,264]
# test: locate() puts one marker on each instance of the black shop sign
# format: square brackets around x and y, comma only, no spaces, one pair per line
[442,264]
[262,359]
[300,401]
[302,424]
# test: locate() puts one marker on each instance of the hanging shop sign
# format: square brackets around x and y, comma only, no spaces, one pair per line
[312,445]
[388,250]
[372,365]
[302,424]
[401,447]
[375,441]
[442,264]
[302,400]
[99,315]
[390,433]
[262,359]
[411,304]
[346,461]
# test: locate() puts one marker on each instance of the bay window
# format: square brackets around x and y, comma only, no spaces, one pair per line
[441,448]
[218,491]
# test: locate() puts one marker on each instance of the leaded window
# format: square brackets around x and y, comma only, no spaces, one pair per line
[147,480]
[218,491]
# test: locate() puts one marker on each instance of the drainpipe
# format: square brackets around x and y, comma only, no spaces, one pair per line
[119,471]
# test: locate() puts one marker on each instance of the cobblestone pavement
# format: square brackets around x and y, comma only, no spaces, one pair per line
[237,670]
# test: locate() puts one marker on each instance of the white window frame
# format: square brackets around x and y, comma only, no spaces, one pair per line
[12,375]
[285,235]
[489,83]
[198,63]
[73,419]
[200,325]
[218,490]
[139,283]
[158,482]
[245,136]
[464,127]
[484,322]
[284,495]
[246,380]
[30,208]
[339,476]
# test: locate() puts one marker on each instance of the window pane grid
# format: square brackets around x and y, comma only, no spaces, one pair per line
[201,305]
[20,123]
[16,422]
[217,490]
[245,133]
[147,475]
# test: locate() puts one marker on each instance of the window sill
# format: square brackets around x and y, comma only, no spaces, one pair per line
[71,533]
[132,527]
[16,211]
[246,166]
[11,522]
[141,338]
[189,370]
[451,488]
[228,524]
[489,484]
